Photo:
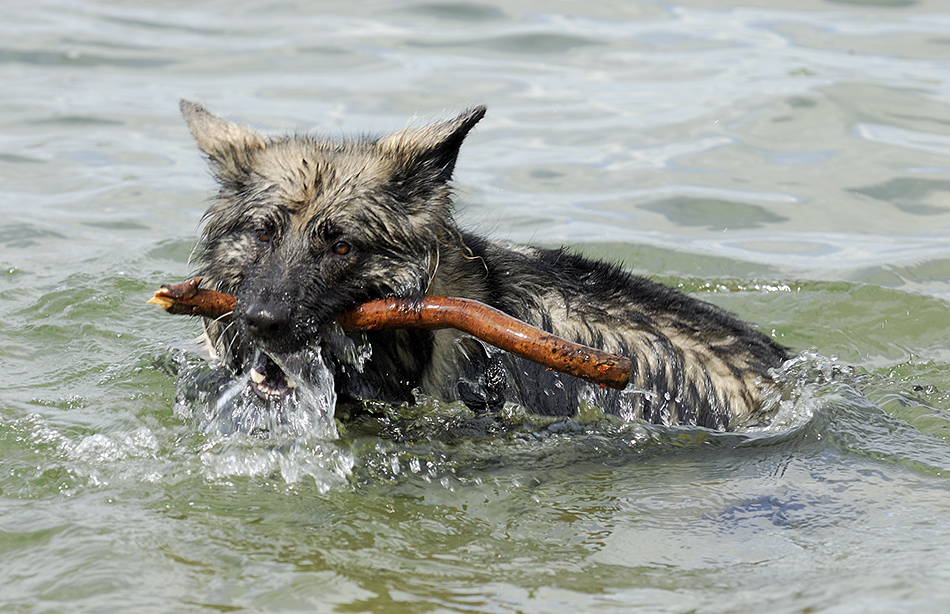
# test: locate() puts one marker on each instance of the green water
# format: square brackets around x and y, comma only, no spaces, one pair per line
[787,161]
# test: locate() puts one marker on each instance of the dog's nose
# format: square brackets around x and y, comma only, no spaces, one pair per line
[266,321]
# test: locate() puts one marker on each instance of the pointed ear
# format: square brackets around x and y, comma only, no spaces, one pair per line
[431,151]
[227,144]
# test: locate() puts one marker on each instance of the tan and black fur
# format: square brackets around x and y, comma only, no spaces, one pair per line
[303,229]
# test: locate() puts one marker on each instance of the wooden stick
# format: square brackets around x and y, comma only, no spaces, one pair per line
[188,299]
[494,327]
[435,312]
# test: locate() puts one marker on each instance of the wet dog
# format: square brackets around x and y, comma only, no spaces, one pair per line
[303,229]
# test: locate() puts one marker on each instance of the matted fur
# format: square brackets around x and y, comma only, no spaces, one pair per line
[305,228]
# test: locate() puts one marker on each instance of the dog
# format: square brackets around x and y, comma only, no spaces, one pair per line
[303,229]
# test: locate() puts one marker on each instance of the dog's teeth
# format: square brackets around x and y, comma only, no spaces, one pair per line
[291,383]
[257,377]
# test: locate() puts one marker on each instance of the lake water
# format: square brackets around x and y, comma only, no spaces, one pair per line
[789,161]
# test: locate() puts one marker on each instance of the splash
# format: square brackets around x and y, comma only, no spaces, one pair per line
[293,437]
[222,404]
[325,463]
[805,383]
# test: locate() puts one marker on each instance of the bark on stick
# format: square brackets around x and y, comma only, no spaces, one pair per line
[435,312]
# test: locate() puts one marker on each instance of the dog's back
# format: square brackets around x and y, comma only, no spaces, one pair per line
[693,363]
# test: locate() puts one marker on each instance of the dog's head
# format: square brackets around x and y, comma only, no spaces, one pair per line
[303,229]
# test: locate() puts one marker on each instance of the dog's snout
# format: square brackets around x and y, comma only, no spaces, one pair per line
[266,320]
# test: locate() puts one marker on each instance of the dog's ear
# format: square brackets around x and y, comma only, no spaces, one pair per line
[430,152]
[227,144]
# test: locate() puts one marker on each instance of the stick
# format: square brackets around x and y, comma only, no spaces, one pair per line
[188,299]
[435,312]
[494,327]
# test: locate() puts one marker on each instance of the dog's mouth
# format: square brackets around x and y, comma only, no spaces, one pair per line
[268,380]
[277,376]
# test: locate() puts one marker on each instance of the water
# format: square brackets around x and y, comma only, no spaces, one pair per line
[786,160]
[220,402]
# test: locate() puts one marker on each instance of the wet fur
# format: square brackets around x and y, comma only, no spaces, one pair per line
[288,206]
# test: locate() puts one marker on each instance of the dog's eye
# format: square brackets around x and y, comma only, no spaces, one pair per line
[341,248]
[263,235]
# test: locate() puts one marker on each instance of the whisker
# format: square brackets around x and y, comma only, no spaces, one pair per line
[229,335]
[224,316]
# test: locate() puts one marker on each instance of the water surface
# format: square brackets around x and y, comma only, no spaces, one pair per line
[789,161]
